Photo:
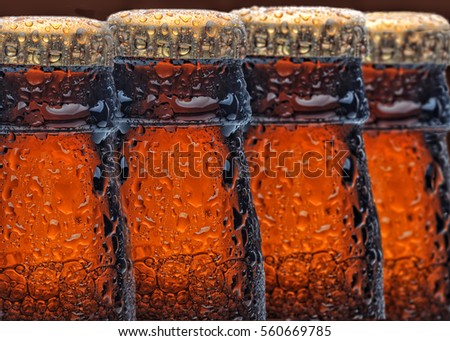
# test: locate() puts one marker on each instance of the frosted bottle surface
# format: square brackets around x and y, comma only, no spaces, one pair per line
[63,254]
[320,233]
[194,234]
[408,160]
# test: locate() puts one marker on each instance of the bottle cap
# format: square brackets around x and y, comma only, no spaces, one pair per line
[54,41]
[408,38]
[178,34]
[306,32]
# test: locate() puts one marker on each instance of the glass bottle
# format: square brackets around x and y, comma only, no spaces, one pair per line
[194,234]
[62,241]
[408,96]
[320,234]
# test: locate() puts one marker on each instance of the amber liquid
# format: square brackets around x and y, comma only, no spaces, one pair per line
[60,233]
[57,259]
[319,228]
[409,172]
[194,234]
[314,227]
[408,183]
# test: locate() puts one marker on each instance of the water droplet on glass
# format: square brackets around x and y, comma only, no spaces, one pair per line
[54,56]
[164,29]
[81,36]
[211,28]
[10,50]
[140,44]
[184,49]
[35,36]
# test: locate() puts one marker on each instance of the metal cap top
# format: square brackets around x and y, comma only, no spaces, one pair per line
[54,41]
[408,38]
[304,31]
[178,34]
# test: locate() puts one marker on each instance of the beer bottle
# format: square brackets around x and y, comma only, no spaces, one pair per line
[195,238]
[320,234]
[408,97]
[62,241]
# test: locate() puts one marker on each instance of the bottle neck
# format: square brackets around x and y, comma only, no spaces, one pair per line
[407,96]
[56,97]
[182,92]
[320,90]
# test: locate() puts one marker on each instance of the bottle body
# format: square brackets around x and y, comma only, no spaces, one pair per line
[321,240]
[408,164]
[194,233]
[410,185]
[63,240]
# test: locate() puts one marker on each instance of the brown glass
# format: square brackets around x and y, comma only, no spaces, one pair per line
[63,253]
[194,235]
[319,227]
[408,164]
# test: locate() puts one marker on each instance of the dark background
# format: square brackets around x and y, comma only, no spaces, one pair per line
[100,9]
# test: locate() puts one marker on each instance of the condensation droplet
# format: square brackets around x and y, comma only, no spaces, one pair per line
[284,27]
[10,50]
[278,14]
[164,29]
[185,18]
[54,56]
[140,44]
[21,37]
[151,30]
[211,28]
[184,49]
[305,47]
[55,25]
[81,36]
[305,16]
[35,36]
[35,57]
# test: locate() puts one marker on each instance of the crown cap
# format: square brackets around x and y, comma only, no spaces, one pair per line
[307,32]
[408,38]
[178,34]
